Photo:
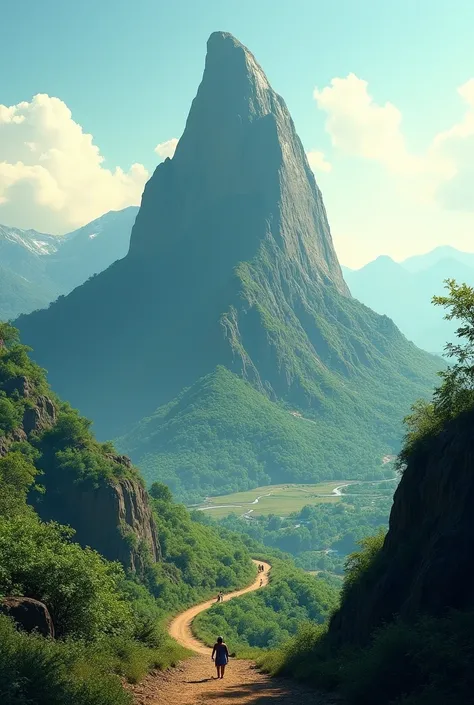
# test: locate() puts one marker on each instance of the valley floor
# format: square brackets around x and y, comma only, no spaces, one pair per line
[193,681]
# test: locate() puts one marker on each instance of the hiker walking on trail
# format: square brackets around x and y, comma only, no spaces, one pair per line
[220,656]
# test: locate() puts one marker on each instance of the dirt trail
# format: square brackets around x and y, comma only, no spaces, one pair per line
[193,681]
[180,627]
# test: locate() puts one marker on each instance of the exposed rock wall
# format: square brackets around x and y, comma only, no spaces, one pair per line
[114,516]
[426,565]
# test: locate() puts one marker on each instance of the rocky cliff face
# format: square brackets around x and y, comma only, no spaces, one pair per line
[232,263]
[239,177]
[112,515]
[426,565]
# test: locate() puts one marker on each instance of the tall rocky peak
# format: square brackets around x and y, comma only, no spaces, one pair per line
[239,175]
[231,263]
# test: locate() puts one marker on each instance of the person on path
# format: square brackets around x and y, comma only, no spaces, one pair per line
[221,654]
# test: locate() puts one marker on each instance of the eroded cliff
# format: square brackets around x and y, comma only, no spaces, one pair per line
[426,565]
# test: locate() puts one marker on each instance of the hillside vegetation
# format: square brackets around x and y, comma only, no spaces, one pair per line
[222,435]
[108,619]
[268,618]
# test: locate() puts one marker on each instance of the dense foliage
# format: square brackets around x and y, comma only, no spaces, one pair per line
[269,617]
[456,392]
[222,436]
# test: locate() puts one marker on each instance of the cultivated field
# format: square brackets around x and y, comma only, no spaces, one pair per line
[273,499]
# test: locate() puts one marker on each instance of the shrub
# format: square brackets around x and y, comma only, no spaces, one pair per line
[80,588]
[38,671]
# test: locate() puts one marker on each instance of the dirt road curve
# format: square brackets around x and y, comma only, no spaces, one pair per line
[193,681]
[180,627]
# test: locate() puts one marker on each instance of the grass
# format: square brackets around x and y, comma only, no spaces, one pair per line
[273,499]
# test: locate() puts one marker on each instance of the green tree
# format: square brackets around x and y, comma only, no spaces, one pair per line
[17,474]
[160,491]
[455,394]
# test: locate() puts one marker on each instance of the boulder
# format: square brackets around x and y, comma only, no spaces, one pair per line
[29,614]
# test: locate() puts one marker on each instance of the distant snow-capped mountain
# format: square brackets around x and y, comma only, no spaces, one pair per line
[35,268]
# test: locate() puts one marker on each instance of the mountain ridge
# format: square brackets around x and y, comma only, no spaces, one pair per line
[404,292]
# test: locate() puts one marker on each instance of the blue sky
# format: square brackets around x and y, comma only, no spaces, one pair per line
[127,72]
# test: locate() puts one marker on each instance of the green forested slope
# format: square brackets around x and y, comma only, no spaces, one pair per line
[222,435]
[269,617]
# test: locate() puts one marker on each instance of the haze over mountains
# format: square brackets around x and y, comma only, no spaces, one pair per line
[231,265]
[404,291]
[36,268]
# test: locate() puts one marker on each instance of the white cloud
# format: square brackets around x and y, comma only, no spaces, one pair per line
[52,176]
[317,161]
[166,149]
[456,147]
[361,127]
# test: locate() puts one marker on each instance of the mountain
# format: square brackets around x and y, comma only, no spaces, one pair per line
[21,295]
[418,263]
[404,291]
[231,264]
[37,268]
[221,435]
[91,249]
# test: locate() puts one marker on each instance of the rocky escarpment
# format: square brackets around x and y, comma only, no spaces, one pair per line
[113,516]
[38,411]
[112,513]
[426,565]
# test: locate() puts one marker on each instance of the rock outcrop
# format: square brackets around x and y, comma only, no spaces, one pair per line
[29,614]
[114,517]
[426,565]
[39,417]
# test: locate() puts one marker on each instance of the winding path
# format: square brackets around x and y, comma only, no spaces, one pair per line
[180,628]
[193,681]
